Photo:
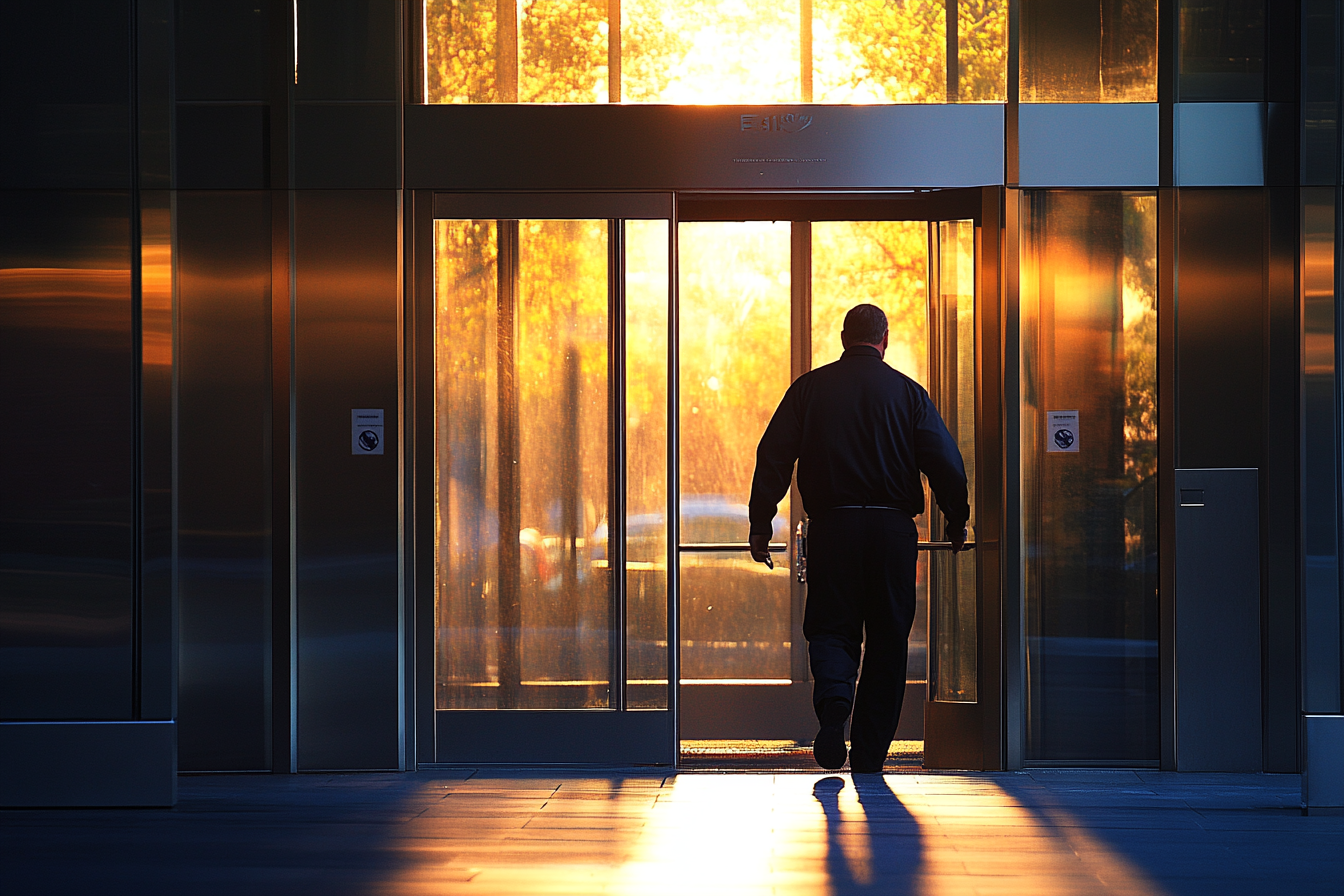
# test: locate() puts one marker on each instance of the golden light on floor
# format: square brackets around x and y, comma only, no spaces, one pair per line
[756,833]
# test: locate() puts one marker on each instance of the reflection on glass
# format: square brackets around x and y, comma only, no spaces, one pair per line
[1089,340]
[1088,52]
[1222,50]
[1320,453]
[705,51]
[883,263]
[735,360]
[521,447]
[646,333]
[953,671]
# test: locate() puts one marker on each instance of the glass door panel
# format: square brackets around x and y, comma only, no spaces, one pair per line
[953,623]
[524,608]
[735,308]
[646,498]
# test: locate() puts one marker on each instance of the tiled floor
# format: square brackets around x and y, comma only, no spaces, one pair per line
[441,832]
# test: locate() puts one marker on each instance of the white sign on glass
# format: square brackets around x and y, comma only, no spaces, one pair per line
[366,431]
[1061,431]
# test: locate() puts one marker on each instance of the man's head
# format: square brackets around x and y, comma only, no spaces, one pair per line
[865,325]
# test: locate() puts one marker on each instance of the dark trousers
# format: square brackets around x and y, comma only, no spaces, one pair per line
[861,582]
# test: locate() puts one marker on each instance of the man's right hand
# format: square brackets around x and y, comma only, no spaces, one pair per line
[958,540]
[760,547]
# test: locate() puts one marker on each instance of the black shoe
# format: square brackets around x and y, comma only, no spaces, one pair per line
[829,748]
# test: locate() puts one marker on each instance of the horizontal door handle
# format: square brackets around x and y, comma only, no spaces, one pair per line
[726,547]
[941,545]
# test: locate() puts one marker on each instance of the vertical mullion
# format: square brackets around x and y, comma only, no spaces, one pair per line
[953,53]
[510,554]
[805,49]
[673,589]
[616,500]
[613,51]
[800,280]
[506,51]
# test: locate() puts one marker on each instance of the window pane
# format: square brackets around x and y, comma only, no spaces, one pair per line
[706,51]
[646,333]
[522,464]
[736,614]
[563,51]
[1222,50]
[1089,326]
[1089,52]
[880,52]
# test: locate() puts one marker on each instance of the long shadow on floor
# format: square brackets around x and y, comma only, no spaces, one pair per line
[879,852]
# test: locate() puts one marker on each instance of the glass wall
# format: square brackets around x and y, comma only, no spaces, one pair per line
[1104,52]
[1089,464]
[702,51]
[522,464]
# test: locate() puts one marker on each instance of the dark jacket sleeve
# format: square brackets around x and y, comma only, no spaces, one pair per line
[775,456]
[939,459]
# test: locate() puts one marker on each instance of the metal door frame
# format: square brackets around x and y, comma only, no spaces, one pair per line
[975,736]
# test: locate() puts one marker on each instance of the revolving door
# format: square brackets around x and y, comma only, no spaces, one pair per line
[597,369]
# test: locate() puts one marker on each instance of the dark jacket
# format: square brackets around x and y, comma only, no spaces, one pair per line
[861,433]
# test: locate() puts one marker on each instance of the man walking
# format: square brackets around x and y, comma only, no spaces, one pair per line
[861,433]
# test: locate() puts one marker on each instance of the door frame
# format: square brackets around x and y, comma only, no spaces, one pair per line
[973,734]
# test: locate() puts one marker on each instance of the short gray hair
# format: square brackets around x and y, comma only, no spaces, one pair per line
[864,323]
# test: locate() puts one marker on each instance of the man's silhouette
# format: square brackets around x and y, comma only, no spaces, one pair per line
[861,434]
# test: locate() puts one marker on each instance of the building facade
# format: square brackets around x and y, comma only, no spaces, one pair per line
[554,263]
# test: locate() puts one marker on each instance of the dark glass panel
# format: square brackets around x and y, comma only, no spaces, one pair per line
[1102,52]
[1222,50]
[1089,348]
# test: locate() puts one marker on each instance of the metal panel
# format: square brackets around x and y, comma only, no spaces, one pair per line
[89,763]
[220,50]
[466,206]
[221,146]
[1220,144]
[1323,771]
[348,50]
[65,95]
[66,490]
[346,512]
[345,145]
[488,737]
[224,507]
[158,629]
[1220,332]
[512,147]
[1218,725]
[1088,144]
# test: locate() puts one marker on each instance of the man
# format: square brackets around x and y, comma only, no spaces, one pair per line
[861,433]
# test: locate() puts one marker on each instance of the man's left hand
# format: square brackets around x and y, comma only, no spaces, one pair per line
[760,547]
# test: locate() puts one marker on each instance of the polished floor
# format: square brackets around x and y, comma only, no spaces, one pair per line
[493,832]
